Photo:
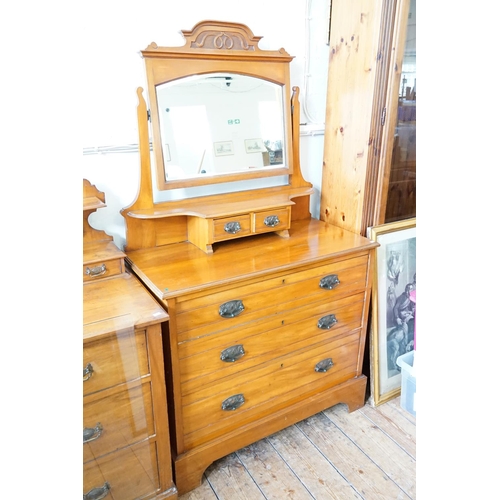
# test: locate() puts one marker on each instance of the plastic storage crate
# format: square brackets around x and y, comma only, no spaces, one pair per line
[408,382]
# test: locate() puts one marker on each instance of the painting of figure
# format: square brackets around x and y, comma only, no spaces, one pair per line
[394,305]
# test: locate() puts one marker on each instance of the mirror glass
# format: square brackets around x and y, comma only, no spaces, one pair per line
[220,123]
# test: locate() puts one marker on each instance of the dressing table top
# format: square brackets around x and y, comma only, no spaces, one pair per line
[182,268]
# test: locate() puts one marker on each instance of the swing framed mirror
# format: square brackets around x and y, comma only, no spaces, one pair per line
[223,120]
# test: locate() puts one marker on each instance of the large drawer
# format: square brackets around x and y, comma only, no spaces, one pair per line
[116,418]
[200,315]
[266,388]
[129,473]
[207,359]
[114,360]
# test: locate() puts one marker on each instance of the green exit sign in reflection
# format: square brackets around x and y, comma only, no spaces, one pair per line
[234,122]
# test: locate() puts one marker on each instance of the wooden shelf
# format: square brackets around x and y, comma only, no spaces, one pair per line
[210,207]
[92,203]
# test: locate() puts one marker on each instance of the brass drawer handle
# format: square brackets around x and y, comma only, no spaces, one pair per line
[96,271]
[329,282]
[231,309]
[97,493]
[87,372]
[92,433]
[324,366]
[233,402]
[232,354]
[271,221]
[232,227]
[326,322]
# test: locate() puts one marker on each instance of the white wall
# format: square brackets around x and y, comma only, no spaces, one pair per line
[115,31]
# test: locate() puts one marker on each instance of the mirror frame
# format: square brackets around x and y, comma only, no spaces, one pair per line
[217,47]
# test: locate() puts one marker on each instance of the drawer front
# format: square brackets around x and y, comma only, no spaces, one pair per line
[271,297]
[129,474]
[105,269]
[267,388]
[116,418]
[315,273]
[114,360]
[231,227]
[208,359]
[271,220]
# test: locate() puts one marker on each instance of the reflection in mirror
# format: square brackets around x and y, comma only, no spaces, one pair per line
[220,123]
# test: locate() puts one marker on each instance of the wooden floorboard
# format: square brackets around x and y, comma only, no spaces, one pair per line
[369,454]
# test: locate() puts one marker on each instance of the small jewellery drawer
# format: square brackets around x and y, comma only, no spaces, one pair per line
[114,360]
[126,474]
[205,360]
[116,418]
[231,227]
[104,269]
[235,401]
[271,220]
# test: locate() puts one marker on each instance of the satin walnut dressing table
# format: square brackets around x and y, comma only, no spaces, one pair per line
[267,323]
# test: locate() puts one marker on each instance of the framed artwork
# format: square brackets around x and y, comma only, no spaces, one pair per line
[223,148]
[255,146]
[392,332]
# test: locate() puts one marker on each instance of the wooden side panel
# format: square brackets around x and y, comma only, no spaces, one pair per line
[355,28]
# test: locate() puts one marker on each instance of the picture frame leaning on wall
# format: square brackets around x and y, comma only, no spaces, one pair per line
[392,331]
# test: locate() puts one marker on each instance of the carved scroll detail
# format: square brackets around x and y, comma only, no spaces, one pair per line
[221,40]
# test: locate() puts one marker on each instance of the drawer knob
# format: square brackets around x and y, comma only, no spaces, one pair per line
[96,271]
[324,366]
[233,353]
[329,282]
[326,322]
[271,221]
[231,309]
[92,433]
[233,402]
[87,372]
[232,227]
[97,493]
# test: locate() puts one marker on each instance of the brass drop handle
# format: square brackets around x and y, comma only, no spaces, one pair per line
[233,402]
[329,282]
[97,493]
[271,221]
[232,227]
[231,309]
[326,322]
[92,433]
[87,372]
[233,353]
[324,366]
[96,271]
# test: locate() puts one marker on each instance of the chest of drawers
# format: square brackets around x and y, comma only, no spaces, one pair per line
[126,448]
[264,332]
[126,442]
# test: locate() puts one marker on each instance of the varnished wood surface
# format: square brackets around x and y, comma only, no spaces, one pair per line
[101,251]
[182,268]
[116,358]
[93,199]
[119,302]
[369,454]
[125,414]
[131,472]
